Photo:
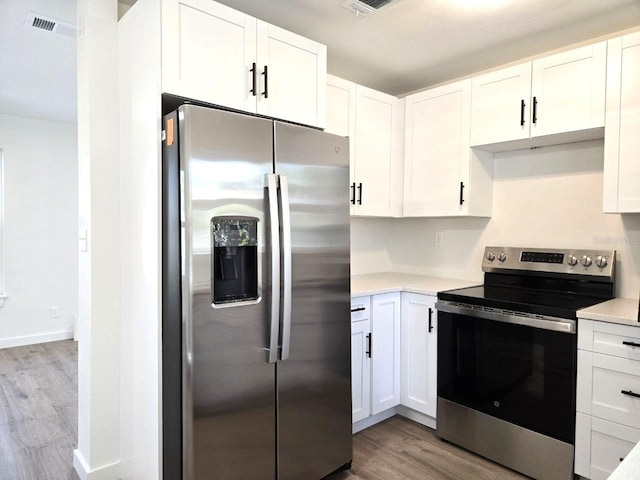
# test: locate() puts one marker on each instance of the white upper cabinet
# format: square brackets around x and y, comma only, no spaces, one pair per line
[622,141]
[377,168]
[443,176]
[568,91]
[341,116]
[374,123]
[293,78]
[500,105]
[555,99]
[215,54]
[208,50]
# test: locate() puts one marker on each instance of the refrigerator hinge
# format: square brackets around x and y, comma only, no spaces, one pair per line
[163,137]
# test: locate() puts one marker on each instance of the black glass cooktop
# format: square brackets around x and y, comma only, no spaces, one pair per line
[563,305]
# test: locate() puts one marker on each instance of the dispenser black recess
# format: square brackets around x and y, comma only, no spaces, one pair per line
[235,259]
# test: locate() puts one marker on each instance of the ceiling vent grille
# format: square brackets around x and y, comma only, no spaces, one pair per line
[51,25]
[364,7]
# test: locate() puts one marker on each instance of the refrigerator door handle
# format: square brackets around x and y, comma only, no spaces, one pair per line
[274,226]
[285,210]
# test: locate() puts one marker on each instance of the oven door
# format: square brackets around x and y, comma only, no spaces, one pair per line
[501,365]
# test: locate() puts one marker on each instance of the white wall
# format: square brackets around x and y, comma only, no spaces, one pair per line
[98,452]
[546,197]
[40,236]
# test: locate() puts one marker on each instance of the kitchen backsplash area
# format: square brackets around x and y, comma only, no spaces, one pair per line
[550,196]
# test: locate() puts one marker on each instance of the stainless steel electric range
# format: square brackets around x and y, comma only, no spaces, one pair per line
[507,356]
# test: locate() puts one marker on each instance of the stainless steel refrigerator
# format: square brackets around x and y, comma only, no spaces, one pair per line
[256,298]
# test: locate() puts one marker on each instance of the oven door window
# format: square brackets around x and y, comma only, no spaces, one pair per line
[520,374]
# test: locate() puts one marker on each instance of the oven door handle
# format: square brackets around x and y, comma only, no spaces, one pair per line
[562,325]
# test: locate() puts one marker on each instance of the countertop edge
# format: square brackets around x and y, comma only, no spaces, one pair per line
[623,311]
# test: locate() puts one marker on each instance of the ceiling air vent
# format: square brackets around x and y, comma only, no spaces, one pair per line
[51,25]
[364,7]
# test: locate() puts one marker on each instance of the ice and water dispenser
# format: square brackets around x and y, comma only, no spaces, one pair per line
[235,259]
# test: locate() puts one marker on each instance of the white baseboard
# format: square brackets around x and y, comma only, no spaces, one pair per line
[106,472]
[418,417]
[401,410]
[33,339]
[369,421]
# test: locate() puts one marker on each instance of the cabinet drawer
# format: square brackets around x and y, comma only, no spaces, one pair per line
[360,308]
[602,446]
[613,385]
[610,339]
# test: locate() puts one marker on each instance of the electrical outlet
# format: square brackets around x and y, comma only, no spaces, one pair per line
[54,312]
[438,239]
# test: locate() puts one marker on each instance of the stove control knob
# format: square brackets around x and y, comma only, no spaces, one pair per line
[586,261]
[491,256]
[502,257]
[601,261]
[572,260]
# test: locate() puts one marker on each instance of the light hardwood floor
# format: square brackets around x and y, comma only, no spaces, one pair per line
[38,411]
[399,449]
[38,429]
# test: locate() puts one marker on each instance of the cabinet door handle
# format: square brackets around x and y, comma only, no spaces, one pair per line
[368,352]
[522,105]
[461,193]
[631,344]
[630,393]
[430,319]
[254,79]
[360,194]
[358,309]
[535,110]
[266,82]
[353,193]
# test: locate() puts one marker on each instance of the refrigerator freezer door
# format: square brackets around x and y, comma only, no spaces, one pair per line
[314,382]
[229,395]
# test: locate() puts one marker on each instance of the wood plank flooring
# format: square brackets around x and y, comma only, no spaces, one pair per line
[38,411]
[38,429]
[399,449]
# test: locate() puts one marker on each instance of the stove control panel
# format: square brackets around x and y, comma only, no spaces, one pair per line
[600,263]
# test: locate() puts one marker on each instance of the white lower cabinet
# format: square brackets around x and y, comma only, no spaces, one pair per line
[419,349]
[608,396]
[375,354]
[385,352]
[394,357]
[360,370]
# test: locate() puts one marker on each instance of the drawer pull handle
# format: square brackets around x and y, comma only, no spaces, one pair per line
[430,319]
[358,309]
[631,344]
[630,393]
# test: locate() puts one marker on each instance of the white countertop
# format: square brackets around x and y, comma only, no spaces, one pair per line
[629,469]
[618,310]
[377,283]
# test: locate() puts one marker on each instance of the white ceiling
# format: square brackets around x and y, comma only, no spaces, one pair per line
[405,46]
[37,68]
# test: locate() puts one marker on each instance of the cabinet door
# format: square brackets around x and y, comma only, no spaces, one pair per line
[436,150]
[378,153]
[208,51]
[293,76]
[497,114]
[419,345]
[568,91]
[622,142]
[341,118]
[360,370]
[385,352]
[601,446]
